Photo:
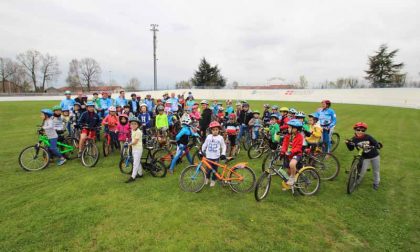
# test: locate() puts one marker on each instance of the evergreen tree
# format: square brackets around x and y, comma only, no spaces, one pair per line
[383,72]
[208,76]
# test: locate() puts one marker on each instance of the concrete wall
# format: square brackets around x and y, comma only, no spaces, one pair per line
[396,97]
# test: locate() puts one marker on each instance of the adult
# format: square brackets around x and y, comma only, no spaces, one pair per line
[105,102]
[149,103]
[244,117]
[120,100]
[134,104]
[67,103]
[205,118]
[174,103]
[327,120]
[189,102]
[82,99]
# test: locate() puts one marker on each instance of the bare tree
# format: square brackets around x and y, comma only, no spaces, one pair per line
[133,84]
[303,83]
[352,82]
[7,69]
[73,76]
[90,72]
[30,61]
[49,70]
[235,85]
[183,84]
[20,79]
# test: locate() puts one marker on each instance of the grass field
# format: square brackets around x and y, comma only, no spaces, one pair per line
[76,208]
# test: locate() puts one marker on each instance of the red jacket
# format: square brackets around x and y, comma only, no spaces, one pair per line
[283,123]
[296,144]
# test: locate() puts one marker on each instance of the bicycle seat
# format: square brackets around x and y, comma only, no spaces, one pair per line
[149,147]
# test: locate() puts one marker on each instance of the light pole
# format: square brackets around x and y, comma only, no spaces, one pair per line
[154,30]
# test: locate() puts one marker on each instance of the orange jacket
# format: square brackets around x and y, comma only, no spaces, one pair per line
[111,121]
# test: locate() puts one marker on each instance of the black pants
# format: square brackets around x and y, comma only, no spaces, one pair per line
[213,177]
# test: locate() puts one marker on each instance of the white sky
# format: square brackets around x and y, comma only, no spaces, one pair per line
[251,41]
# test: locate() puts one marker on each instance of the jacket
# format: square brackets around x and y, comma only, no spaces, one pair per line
[90,120]
[292,145]
[205,119]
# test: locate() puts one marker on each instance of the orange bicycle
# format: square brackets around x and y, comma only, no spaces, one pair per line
[239,177]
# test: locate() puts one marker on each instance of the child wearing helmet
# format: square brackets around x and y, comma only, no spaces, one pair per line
[136,145]
[315,130]
[65,117]
[275,110]
[90,122]
[274,130]
[182,139]
[232,129]
[370,155]
[292,148]
[123,129]
[244,117]
[221,115]
[266,115]
[49,130]
[255,124]
[214,148]
[110,123]
[195,114]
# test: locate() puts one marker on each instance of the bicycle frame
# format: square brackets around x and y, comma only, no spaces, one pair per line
[42,139]
[226,170]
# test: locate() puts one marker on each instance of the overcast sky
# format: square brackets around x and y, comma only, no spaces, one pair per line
[251,41]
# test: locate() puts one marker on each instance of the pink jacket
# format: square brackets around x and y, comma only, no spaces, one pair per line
[195,115]
[124,132]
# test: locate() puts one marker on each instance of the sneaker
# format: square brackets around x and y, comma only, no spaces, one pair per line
[171,172]
[375,186]
[79,155]
[206,181]
[284,186]
[131,179]
[139,176]
[212,183]
[291,181]
[61,161]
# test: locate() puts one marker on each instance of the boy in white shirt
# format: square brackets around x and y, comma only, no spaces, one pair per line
[214,148]
[137,149]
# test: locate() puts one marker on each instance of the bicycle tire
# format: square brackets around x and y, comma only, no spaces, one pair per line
[34,151]
[236,186]
[353,176]
[303,180]
[126,166]
[327,165]
[335,141]
[106,147]
[255,151]
[186,178]
[158,169]
[163,155]
[261,189]
[90,155]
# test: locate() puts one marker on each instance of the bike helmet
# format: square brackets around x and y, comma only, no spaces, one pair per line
[214,124]
[186,120]
[143,104]
[221,108]
[256,112]
[328,102]
[112,109]
[266,105]
[295,123]
[284,109]
[65,110]
[238,104]
[47,112]
[204,102]
[300,114]
[275,107]
[123,115]
[245,104]
[360,125]
[232,116]
[55,108]
[67,92]
[135,119]
[314,115]
[292,111]
[160,108]
[90,104]
[275,116]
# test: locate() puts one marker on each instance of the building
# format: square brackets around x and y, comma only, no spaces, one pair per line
[274,86]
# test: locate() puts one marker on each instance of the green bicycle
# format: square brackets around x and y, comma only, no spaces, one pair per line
[37,157]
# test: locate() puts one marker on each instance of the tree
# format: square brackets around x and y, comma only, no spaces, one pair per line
[7,69]
[133,84]
[353,83]
[183,85]
[49,70]
[90,72]
[30,61]
[235,85]
[208,76]
[383,72]
[303,83]
[73,76]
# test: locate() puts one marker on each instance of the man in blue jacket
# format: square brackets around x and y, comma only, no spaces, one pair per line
[327,120]
[68,102]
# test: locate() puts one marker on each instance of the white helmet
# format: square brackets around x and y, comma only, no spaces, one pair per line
[186,120]
[143,104]
[112,109]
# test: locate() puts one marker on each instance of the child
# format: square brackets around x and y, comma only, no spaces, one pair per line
[255,123]
[126,111]
[137,149]
[221,115]
[144,118]
[229,108]
[214,148]
[182,139]
[110,122]
[305,126]
[162,125]
[65,117]
[266,114]
[275,110]
[195,114]
[274,131]
[315,130]
[292,148]
[58,122]
[284,119]
[232,128]
[48,127]
[123,129]
[370,156]
[119,110]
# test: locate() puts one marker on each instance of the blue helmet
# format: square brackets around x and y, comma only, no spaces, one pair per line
[275,115]
[314,115]
[295,123]
[90,104]
[47,112]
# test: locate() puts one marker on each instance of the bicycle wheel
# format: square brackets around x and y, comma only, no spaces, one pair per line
[353,176]
[71,141]
[263,186]
[335,140]
[192,179]
[90,155]
[308,181]
[268,161]
[106,147]
[158,169]
[246,141]
[34,158]
[256,150]
[194,155]
[246,184]
[126,165]
[327,165]
[163,155]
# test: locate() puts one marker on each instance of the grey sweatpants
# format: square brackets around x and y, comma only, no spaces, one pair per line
[375,165]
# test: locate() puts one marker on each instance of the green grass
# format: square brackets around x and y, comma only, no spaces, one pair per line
[76,208]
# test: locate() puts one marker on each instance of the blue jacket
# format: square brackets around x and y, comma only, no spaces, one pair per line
[120,101]
[145,119]
[105,104]
[184,134]
[327,117]
[90,119]
[149,104]
[67,104]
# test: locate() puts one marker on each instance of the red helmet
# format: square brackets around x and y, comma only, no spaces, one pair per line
[232,116]
[360,125]
[214,124]
[328,102]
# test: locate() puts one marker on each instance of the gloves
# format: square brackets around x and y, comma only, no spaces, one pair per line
[222,157]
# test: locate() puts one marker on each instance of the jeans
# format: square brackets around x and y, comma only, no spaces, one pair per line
[179,151]
[242,130]
[53,148]
[326,138]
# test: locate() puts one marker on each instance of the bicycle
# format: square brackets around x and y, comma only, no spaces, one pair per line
[239,177]
[272,157]
[260,146]
[165,156]
[335,141]
[108,145]
[246,139]
[326,164]
[307,181]
[354,178]
[90,153]
[37,157]
[155,167]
